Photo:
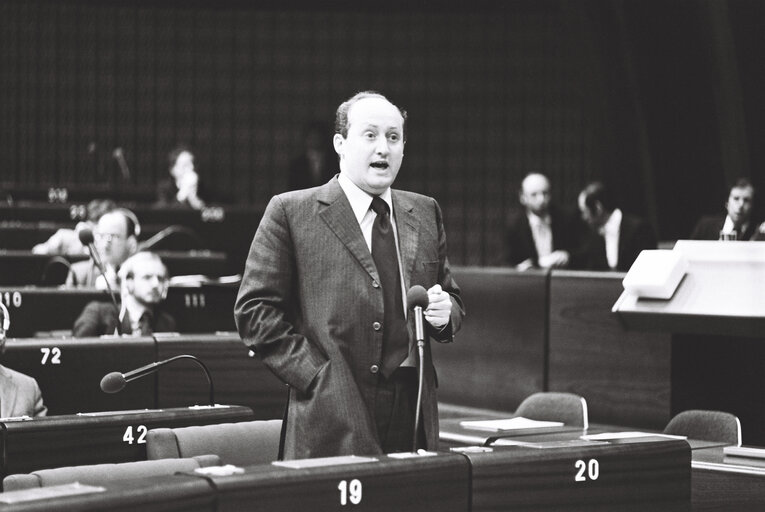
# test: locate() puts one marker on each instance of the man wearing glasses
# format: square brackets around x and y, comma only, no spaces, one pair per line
[115,240]
[143,286]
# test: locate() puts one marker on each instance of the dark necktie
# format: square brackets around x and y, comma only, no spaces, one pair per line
[395,334]
[144,324]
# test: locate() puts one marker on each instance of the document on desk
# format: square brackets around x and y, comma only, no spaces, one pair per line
[517,423]
[613,436]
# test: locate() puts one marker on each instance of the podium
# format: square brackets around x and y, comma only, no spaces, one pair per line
[717,320]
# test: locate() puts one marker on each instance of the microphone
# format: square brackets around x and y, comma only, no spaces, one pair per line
[119,155]
[87,239]
[115,381]
[416,299]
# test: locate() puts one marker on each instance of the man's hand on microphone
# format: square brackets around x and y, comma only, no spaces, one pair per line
[439,308]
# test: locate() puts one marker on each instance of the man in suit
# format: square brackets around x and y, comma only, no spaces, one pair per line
[737,224]
[143,286]
[115,238]
[617,237]
[19,394]
[321,300]
[541,235]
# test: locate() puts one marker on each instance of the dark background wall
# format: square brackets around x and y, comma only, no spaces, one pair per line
[663,99]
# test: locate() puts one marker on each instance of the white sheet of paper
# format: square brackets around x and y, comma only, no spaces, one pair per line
[517,423]
[607,436]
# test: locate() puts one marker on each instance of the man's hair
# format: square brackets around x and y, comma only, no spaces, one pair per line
[532,173]
[128,267]
[98,207]
[742,183]
[341,116]
[598,192]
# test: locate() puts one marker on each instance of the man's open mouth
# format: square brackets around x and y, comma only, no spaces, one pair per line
[379,165]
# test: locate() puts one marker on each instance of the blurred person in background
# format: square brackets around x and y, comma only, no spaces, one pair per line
[66,241]
[183,187]
[737,223]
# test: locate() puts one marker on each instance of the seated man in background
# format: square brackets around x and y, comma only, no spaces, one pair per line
[617,237]
[115,238]
[183,186]
[738,220]
[143,286]
[541,235]
[67,241]
[19,394]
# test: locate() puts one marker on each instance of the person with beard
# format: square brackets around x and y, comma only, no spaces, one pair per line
[541,235]
[143,287]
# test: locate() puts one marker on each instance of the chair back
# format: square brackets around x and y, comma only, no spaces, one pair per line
[569,408]
[704,425]
[240,444]
[55,271]
[99,474]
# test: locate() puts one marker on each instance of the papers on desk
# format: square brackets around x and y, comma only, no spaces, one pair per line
[744,451]
[613,436]
[323,461]
[517,423]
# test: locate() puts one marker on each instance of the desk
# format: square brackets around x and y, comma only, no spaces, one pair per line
[498,357]
[727,483]
[421,484]
[239,378]
[177,493]
[632,476]
[69,371]
[204,308]
[95,438]
[21,268]
[716,319]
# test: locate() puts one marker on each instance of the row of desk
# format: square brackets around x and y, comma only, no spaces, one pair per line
[225,228]
[208,307]
[69,372]
[628,476]
[23,268]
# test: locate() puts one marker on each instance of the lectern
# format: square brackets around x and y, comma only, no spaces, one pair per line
[717,320]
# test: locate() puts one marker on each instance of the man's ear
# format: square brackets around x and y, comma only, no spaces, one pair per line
[338,141]
[132,243]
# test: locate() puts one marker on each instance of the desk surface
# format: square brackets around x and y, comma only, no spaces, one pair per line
[94,438]
[723,483]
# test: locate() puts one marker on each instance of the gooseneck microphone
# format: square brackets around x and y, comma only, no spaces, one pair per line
[416,300]
[115,381]
[88,240]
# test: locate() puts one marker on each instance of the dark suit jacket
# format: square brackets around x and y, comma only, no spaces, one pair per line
[309,300]
[635,234]
[19,395]
[567,235]
[709,227]
[98,318]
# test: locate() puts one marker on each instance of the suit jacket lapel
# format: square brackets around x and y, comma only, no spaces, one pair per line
[336,211]
[408,226]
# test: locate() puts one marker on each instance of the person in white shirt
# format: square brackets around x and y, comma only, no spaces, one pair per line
[617,237]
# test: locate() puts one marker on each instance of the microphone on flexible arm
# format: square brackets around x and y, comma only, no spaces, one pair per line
[116,381]
[119,155]
[416,300]
[88,240]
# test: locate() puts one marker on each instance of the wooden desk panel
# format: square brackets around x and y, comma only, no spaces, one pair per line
[95,438]
[623,375]
[69,371]
[498,357]
[723,484]
[437,483]
[238,377]
[177,493]
[635,476]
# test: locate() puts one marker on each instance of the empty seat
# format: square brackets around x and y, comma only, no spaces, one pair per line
[569,408]
[704,425]
[99,474]
[241,444]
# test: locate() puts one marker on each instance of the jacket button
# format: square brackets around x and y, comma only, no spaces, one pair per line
[376,326]
[374,368]
[375,284]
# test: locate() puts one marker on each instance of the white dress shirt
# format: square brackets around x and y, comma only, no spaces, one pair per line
[610,232]
[541,232]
